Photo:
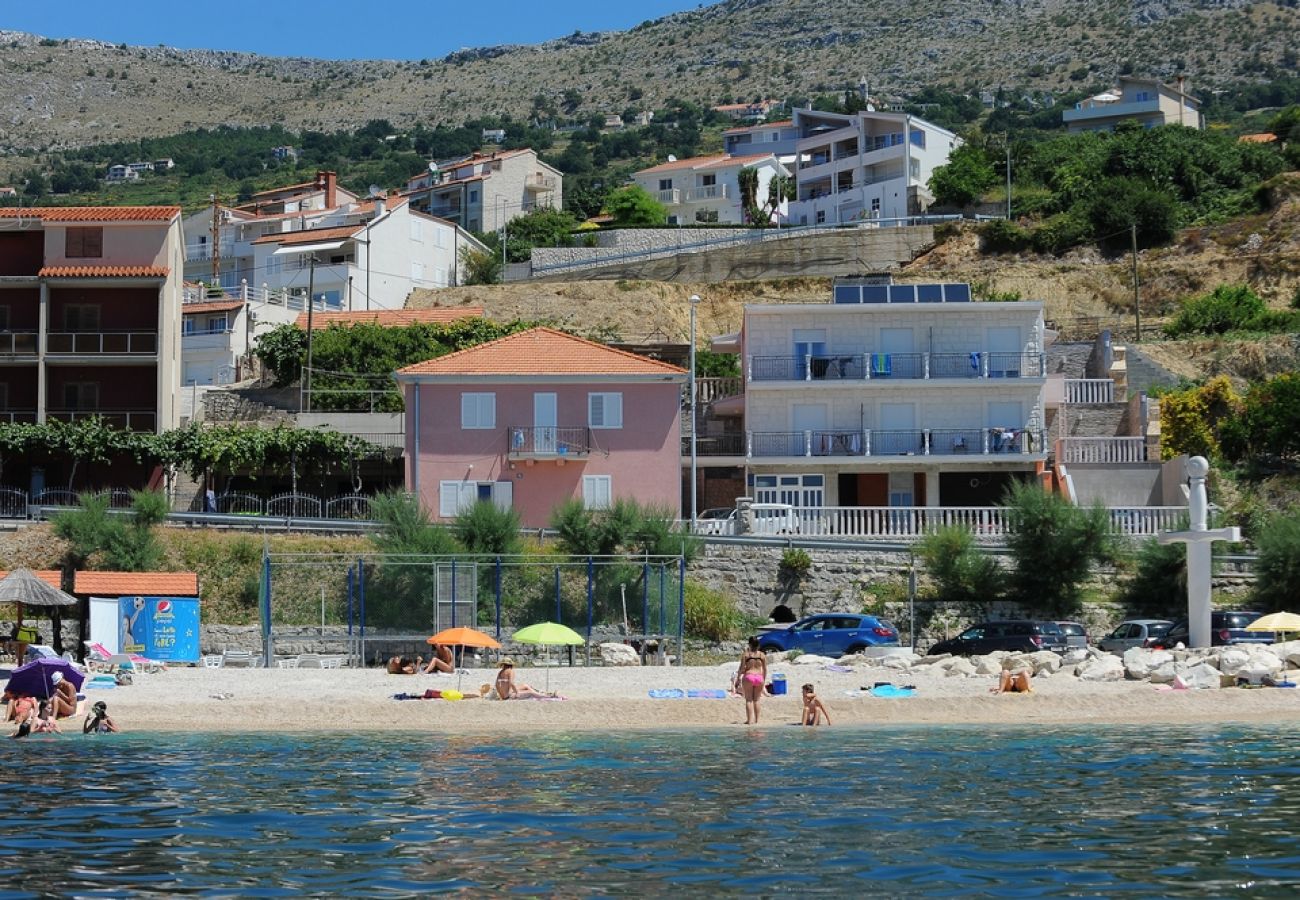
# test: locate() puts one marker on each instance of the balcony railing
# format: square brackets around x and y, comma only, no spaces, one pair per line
[670,197]
[139,343]
[15,416]
[18,343]
[902,442]
[549,441]
[194,252]
[1089,390]
[536,182]
[715,445]
[707,192]
[712,388]
[866,366]
[124,419]
[1101,450]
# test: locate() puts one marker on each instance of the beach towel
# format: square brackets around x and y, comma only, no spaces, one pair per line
[667,693]
[835,668]
[889,690]
[707,694]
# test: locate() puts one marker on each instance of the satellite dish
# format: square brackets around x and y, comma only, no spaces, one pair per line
[433,166]
[374,190]
[672,158]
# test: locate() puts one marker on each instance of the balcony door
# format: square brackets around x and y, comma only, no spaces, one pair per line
[807,342]
[897,429]
[545,422]
[1005,351]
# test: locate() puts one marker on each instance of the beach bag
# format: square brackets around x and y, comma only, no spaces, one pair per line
[27,635]
[124,678]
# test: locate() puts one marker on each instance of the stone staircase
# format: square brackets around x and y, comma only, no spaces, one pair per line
[1135,372]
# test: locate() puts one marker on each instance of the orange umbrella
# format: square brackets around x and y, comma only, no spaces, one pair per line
[464,637]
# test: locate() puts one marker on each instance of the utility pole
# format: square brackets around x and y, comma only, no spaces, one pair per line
[216,241]
[1137,303]
[695,423]
[1006,140]
[304,398]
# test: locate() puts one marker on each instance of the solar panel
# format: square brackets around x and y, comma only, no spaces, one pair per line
[848,293]
[956,293]
[875,293]
[929,293]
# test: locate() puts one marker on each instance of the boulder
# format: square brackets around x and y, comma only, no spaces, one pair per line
[811,659]
[613,654]
[1102,668]
[1139,661]
[1074,656]
[897,662]
[961,666]
[1164,673]
[1017,661]
[1046,662]
[1201,675]
[1233,659]
[989,665]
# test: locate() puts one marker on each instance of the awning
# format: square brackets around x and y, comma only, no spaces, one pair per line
[309,248]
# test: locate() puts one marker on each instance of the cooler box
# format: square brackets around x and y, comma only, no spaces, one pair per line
[778,685]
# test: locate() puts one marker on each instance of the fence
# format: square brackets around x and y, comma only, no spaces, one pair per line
[16,503]
[381,605]
[1101,450]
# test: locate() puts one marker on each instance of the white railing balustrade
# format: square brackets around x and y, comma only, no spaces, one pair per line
[1089,390]
[1102,450]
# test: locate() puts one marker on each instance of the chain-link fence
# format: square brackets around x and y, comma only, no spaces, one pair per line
[374,605]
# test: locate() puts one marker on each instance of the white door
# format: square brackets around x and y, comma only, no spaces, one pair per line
[545,420]
[806,417]
[1005,351]
[897,429]
[807,342]
[897,346]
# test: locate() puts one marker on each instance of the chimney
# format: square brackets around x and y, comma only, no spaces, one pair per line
[328,182]
[379,204]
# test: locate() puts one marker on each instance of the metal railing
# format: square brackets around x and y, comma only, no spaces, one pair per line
[1101,450]
[549,440]
[13,503]
[13,416]
[894,442]
[1089,390]
[707,192]
[124,419]
[18,343]
[536,182]
[297,506]
[866,366]
[670,197]
[712,388]
[714,445]
[102,342]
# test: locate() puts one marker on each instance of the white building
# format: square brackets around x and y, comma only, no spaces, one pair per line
[706,189]
[217,334]
[779,138]
[483,192]
[865,166]
[1143,100]
[891,396]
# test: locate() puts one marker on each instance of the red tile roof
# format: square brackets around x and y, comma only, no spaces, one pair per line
[131,584]
[389,318]
[1264,137]
[52,577]
[311,235]
[211,306]
[104,272]
[542,352]
[94,213]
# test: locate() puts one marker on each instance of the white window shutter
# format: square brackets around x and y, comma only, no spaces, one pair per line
[613,410]
[503,494]
[448,498]
[596,410]
[468,496]
[468,411]
[487,417]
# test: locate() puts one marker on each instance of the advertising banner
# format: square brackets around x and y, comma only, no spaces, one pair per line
[161,628]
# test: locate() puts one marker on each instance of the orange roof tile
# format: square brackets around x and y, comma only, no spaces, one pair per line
[94,213]
[211,306]
[542,352]
[1264,137]
[390,318]
[130,584]
[310,235]
[104,272]
[52,577]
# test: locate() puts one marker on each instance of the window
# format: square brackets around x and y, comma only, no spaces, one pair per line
[918,138]
[708,180]
[84,243]
[795,490]
[217,324]
[821,217]
[417,229]
[4,318]
[914,168]
[1142,96]
[473,196]
[478,410]
[455,497]
[597,491]
[81,395]
[417,271]
[274,264]
[81,317]
[706,216]
[605,410]
[188,325]
[665,184]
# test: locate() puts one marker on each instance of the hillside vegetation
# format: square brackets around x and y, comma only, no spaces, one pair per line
[61,93]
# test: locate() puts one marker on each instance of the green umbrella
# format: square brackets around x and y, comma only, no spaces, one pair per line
[549,634]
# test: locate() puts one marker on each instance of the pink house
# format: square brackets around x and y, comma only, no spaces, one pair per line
[536,418]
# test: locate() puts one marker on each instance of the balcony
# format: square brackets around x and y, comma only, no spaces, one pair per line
[897,366]
[207,339]
[124,419]
[671,197]
[706,193]
[1101,111]
[195,252]
[102,343]
[864,443]
[1101,450]
[712,445]
[17,416]
[539,182]
[18,343]
[549,442]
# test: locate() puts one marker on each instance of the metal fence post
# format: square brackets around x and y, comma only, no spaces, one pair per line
[361,610]
[645,597]
[558,617]
[268,650]
[590,598]
[453,592]
[681,607]
[498,597]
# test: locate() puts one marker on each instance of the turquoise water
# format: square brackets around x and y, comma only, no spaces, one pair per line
[938,811]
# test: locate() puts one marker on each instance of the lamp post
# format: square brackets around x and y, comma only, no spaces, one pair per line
[695,301]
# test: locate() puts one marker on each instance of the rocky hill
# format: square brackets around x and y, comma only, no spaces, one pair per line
[65,93]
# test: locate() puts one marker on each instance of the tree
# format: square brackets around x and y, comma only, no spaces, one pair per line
[1120,203]
[488,529]
[401,588]
[123,542]
[1277,571]
[779,189]
[1192,421]
[633,205]
[968,175]
[1268,421]
[542,227]
[1053,546]
[963,575]
[283,350]
[481,267]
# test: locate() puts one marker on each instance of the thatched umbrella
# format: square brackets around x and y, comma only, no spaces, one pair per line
[23,588]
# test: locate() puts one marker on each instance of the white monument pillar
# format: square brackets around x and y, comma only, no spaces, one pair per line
[1198,540]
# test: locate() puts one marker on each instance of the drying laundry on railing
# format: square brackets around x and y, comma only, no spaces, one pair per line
[1003,440]
[830,443]
[881,365]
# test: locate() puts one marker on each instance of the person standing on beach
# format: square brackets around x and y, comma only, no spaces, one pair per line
[751,676]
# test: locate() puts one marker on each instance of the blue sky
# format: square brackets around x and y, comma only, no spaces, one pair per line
[395,29]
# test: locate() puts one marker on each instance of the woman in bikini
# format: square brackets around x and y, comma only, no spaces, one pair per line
[750,678]
[441,661]
[508,690]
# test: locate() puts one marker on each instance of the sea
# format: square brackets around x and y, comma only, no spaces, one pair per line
[1092,811]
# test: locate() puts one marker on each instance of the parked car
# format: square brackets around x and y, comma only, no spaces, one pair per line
[719,520]
[774,518]
[1075,634]
[830,634]
[1023,635]
[1225,628]
[1135,633]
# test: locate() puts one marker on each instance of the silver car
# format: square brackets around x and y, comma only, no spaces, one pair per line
[1135,633]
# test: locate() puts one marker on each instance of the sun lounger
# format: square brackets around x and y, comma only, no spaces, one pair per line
[243,658]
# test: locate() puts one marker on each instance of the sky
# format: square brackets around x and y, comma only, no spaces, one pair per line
[330,29]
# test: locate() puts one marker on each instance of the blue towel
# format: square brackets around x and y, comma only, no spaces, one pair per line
[707,694]
[889,690]
[667,693]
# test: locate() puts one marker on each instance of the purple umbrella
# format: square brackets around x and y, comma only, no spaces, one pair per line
[34,679]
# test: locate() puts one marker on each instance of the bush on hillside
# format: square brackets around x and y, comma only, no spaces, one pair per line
[1054,545]
[1267,422]
[1277,571]
[1192,420]
[962,574]
[488,529]
[710,615]
[1228,308]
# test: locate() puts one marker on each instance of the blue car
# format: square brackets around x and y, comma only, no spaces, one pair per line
[830,634]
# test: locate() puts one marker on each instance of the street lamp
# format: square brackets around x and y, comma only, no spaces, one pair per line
[695,301]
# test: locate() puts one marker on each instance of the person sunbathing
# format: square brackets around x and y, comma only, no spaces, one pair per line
[507,689]
[441,661]
[813,708]
[1013,683]
[404,665]
[64,700]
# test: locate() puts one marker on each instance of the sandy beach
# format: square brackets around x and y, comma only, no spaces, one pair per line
[230,699]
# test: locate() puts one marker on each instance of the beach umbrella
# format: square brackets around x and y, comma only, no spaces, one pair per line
[461,636]
[35,678]
[22,588]
[1283,622]
[549,634]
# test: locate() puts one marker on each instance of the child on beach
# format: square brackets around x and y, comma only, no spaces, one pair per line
[99,721]
[44,724]
[813,708]
[22,712]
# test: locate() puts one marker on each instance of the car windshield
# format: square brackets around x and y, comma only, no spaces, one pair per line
[1071,628]
[1049,628]
[715,513]
[1159,630]
[1238,620]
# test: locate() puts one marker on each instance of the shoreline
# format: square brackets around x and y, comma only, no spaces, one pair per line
[613,699]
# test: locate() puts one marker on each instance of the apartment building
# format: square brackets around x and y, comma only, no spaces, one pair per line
[706,189]
[540,417]
[892,395]
[1146,101]
[750,112]
[865,166]
[483,192]
[778,138]
[90,314]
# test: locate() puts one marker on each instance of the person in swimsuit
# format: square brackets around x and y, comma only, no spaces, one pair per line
[22,711]
[44,724]
[99,721]
[750,678]
[1009,683]
[507,689]
[813,708]
[404,665]
[64,700]
[441,661]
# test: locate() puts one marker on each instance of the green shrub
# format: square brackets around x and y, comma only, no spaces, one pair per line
[710,615]
[1116,204]
[1001,236]
[1267,423]
[1158,584]
[963,575]
[488,529]
[795,562]
[1226,308]
[1053,546]
[1060,233]
[1277,572]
